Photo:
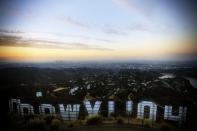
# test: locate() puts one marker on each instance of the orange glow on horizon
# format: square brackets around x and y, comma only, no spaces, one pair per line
[43,54]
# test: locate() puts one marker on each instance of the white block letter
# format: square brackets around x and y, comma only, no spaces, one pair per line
[152,112]
[94,110]
[43,107]
[180,117]
[70,113]
[110,107]
[129,106]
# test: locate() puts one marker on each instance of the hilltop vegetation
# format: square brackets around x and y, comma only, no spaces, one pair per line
[77,84]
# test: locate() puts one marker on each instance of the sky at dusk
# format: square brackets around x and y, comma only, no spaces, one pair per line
[45,30]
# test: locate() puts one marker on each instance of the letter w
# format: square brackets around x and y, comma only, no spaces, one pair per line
[70,113]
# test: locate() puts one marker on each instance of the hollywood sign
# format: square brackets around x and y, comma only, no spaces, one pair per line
[71,111]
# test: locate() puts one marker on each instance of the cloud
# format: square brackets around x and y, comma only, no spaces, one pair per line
[107,28]
[16,41]
[110,29]
[84,37]
[4,31]
[59,35]
[124,4]
[133,7]
[138,27]
[150,28]
[74,22]
[144,12]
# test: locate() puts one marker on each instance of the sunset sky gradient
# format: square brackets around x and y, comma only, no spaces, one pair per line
[50,30]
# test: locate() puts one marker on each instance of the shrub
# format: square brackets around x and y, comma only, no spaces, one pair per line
[166,127]
[16,122]
[29,117]
[148,123]
[75,123]
[49,118]
[94,120]
[55,123]
[36,124]
[71,124]
[113,115]
[110,118]
[120,121]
